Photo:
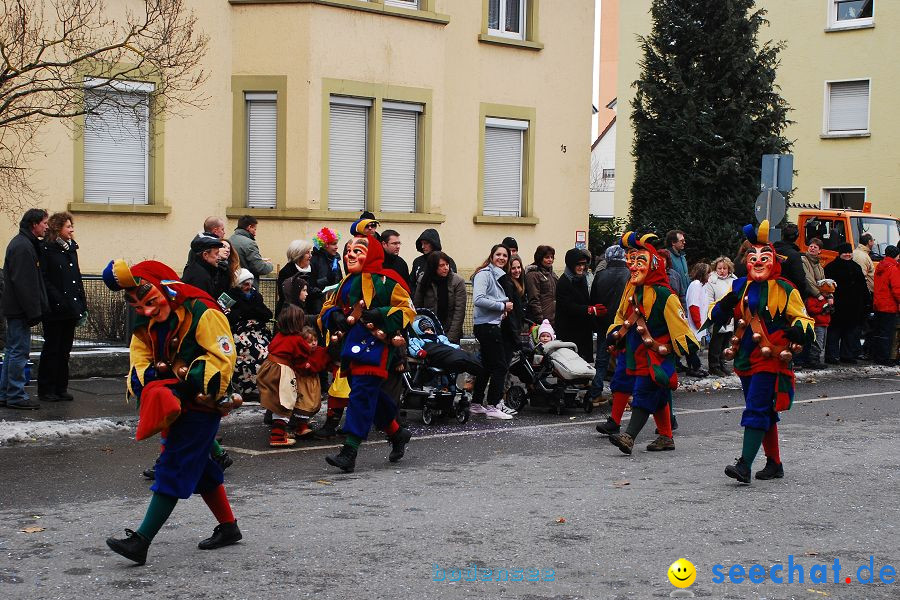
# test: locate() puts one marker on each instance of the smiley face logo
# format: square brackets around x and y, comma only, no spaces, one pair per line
[682,573]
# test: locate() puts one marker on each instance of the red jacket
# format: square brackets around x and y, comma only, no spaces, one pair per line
[294,351]
[814,307]
[887,286]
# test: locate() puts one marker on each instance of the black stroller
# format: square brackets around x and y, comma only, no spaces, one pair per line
[430,378]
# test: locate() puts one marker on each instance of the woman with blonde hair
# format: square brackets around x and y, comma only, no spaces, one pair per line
[717,287]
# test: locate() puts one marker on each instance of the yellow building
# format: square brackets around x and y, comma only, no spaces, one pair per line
[838,76]
[463,115]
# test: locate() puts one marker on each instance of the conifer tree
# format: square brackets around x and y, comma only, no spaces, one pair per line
[706,109]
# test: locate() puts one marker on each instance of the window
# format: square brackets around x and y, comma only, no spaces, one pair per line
[348,143]
[504,145]
[262,149]
[885,231]
[399,155]
[832,232]
[609,174]
[411,4]
[506,18]
[845,14]
[116,142]
[844,198]
[847,107]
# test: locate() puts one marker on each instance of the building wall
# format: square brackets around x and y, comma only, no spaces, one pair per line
[609,60]
[812,57]
[311,46]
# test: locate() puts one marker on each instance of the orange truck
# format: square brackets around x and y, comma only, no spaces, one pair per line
[836,226]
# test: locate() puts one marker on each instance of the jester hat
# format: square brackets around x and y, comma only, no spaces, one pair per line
[359,227]
[118,275]
[759,237]
[375,262]
[656,275]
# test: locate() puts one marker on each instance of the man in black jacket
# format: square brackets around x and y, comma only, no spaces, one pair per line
[390,241]
[792,267]
[203,271]
[607,289]
[24,302]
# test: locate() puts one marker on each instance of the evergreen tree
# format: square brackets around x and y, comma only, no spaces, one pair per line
[705,111]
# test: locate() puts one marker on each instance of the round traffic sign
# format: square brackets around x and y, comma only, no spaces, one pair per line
[771,207]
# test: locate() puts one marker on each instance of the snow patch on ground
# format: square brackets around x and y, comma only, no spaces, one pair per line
[16,432]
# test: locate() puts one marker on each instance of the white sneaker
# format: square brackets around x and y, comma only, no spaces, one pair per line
[477,409]
[495,413]
[510,411]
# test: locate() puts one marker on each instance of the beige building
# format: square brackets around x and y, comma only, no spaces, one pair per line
[837,75]
[463,115]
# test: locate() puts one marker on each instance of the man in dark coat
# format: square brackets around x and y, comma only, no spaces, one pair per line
[427,243]
[792,266]
[203,271]
[575,314]
[390,241]
[850,297]
[24,302]
[607,289]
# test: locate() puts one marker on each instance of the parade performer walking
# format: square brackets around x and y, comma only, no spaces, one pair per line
[182,359]
[648,330]
[772,326]
[371,307]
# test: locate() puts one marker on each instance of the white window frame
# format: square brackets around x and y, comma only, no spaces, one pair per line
[825,200]
[826,125]
[415,109]
[409,4]
[500,32]
[250,97]
[94,84]
[515,125]
[834,24]
[368,104]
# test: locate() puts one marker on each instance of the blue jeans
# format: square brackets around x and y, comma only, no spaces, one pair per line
[601,364]
[18,346]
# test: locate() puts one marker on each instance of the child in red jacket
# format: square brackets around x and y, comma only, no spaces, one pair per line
[820,309]
[288,380]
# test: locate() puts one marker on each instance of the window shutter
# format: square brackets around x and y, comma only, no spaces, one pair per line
[116,136]
[347,157]
[262,154]
[503,171]
[398,160]
[848,106]
[412,4]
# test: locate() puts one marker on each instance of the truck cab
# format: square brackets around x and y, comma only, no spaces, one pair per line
[836,226]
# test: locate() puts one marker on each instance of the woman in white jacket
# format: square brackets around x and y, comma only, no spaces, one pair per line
[718,286]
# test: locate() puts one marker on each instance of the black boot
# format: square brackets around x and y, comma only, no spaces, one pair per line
[398,444]
[739,470]
[328,429]
[345,460]
[133,547]
[151,472]
[608,428]
[225,534]
[223,460]
[772,470]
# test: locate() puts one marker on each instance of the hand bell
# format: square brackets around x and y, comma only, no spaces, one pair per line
[785,356]
[663,350]
[728,353]
[765,351]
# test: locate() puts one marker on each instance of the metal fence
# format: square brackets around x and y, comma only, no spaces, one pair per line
[108,318]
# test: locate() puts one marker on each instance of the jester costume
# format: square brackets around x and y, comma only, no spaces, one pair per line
[772,326]
[649,329]
[182,359]
[370,308]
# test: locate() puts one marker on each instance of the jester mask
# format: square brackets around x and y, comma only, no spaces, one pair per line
[761,260]
[639,263]
[646,265]
[357,254]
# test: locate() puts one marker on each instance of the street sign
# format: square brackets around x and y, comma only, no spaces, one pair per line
[777,172]
[770,205]
[581,239]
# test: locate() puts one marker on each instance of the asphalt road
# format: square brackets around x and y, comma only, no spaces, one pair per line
[542,494]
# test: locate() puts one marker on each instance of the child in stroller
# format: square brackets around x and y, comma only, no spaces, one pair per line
[559,375]
[432,368]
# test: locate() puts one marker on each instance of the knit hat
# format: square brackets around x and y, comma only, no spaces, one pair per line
[421,323]
[510,242]
[614,252]
[843,248]
[359,227]
[368,215]
[546,327]
[891,251]
[242,276]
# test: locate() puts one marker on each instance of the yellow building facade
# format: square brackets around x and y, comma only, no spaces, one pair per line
[463,115]
[838,76]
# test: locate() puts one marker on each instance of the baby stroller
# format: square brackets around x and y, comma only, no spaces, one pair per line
[561,378]
[430,377]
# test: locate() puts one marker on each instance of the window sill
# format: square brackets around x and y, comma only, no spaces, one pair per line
[127,209]
[838,136]
[502,41]
[393,11]
[496,220]
[312,214]
[853,27]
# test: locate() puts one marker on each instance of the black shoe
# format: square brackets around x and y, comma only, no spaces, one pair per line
[739,470]
[2,402]
[267,418]
[151,472]
[815,366]
[225,534]
[772,470]
[133,547]
[23,405]
[608,428]
[716,372]
[699,373]
[223,460]
[327,430]
[832,361]
[65,396]
[398,444]
[345,460]
[49,398]
[849,361]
